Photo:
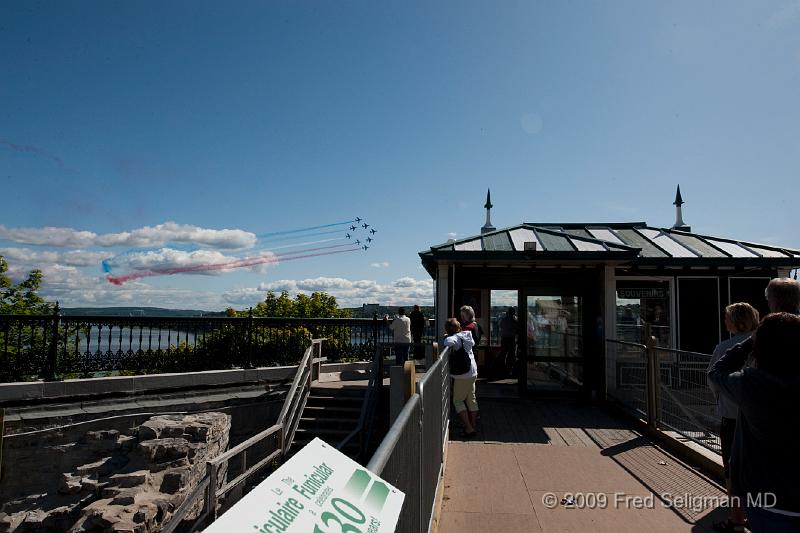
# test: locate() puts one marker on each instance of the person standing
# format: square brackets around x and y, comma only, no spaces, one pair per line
[401,334]
[464,372]
[418,323]
[741,319]
[468,323]
[763,464]
[783,296]
[508,341]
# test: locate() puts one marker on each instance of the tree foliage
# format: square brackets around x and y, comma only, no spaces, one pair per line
[22,298]
[318,305]
[283,344]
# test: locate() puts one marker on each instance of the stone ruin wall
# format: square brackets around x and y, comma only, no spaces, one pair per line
[110,480]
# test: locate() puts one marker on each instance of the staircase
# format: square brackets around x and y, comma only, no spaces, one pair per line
[330,414]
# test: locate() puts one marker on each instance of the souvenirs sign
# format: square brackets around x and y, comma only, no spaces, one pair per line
[319,490]
[636,294]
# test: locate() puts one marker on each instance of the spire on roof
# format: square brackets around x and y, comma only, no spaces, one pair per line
[488,226]
[678,199]
[679,223]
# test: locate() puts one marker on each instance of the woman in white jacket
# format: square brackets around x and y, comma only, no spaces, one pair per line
[463,384]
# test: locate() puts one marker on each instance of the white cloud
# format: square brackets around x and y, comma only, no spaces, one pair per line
[452,234]
[168,232]
[80,258]
[382,264]
[71,287]
[349,293]
[171,258]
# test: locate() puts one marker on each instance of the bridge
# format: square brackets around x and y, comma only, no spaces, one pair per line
[644,457]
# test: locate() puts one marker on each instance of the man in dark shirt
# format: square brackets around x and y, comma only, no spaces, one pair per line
[508,341]
[418,323]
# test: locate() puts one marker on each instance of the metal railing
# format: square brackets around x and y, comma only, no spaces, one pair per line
[363,430]
[228,474]
[668,387]
[410,457]
[49,347]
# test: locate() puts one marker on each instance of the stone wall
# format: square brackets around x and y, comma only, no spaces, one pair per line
[112,481]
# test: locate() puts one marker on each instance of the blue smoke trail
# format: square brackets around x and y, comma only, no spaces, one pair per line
[300,236]
[268,246]
[286,232]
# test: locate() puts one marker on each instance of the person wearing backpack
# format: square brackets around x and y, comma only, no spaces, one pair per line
[464,372]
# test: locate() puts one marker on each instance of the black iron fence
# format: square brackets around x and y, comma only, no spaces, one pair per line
[665,386]
[50,347]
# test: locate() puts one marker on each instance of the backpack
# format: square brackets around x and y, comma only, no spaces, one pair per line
[459,361]
[477,333]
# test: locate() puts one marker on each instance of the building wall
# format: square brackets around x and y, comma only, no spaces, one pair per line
[696,304]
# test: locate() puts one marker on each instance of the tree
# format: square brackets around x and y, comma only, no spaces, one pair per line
[282,342]
[22,298]
[318,305]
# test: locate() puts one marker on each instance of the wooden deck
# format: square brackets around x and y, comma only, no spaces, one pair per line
[527,449]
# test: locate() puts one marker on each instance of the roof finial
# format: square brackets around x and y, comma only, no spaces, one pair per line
[679,223]
[488,206]
[678,199]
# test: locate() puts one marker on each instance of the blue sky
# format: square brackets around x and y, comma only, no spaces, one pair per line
[264,116]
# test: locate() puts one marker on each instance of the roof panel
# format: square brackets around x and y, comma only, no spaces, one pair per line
[663,240]
[554,243]
[766,252]
[732,249]
[579,232]
[632,238]
[473,245]
[605,234]
[586,246]
[498,242]
[697,244]
[520,236]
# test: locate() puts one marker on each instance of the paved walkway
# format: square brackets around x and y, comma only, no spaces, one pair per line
[529,449]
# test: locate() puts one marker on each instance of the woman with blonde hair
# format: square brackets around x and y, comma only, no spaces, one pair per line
[741,319]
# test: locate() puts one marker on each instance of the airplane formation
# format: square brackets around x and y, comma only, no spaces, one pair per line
[358,225]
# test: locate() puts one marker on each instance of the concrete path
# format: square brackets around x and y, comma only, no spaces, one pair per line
[530,454]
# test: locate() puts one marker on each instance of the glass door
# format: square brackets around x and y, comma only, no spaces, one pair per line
[555,336]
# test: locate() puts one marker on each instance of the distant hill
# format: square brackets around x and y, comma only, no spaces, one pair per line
[136,311]
[368,310]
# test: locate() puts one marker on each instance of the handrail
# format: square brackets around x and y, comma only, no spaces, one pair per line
[384,451]
[681,352]
[627,343]
[284,427]
[187,504]
[374,385]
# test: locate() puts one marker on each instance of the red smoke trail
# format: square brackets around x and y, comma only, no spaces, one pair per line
[239,263]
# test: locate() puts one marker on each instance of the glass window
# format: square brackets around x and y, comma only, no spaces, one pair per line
[640,303]
[554,329]
[500,301]
[698,314]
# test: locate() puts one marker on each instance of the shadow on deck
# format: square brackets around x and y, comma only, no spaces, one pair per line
[527,449]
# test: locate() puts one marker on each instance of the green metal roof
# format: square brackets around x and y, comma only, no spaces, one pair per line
[635,241]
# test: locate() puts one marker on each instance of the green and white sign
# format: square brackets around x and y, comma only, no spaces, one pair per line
[319,490]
